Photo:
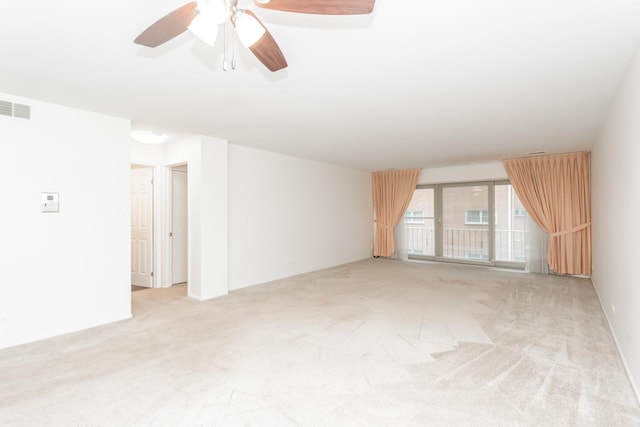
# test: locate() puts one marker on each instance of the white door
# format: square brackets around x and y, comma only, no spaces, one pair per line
[142,227]
[179,226]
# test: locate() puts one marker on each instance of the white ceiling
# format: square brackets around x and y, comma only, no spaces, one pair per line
[417,83]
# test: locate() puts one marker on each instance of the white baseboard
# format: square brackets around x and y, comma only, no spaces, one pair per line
[634,386]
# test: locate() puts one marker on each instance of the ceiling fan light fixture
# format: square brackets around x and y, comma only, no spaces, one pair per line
[205,24]
[204,29]
[148,137]
[248,28]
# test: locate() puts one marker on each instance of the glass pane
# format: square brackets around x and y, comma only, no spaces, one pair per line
[465,229]
[511,219]
[420,224]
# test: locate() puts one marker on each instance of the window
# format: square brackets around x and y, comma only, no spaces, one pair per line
[452,222]
[476,216]
[414,217]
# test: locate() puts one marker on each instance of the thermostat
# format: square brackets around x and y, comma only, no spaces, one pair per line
[49,202]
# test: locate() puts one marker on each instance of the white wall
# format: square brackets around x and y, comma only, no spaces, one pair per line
[63,271]
[289,216]
[615,163]
[208,195]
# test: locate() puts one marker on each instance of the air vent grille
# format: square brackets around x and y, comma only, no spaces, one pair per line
[6,108]
[22,111]
[15,110]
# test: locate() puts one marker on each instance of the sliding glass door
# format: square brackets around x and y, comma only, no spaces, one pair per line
[479,222]
[511,223]
[419,221]
[465,222]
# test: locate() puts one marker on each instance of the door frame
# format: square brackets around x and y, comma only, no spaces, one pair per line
[165,226]
[162,222]
[170,170]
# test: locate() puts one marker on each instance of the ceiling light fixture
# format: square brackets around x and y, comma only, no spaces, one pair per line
[248,28]
[209,16]
[148,137]
[204,29]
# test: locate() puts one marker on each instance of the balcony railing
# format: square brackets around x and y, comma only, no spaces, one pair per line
[466,243]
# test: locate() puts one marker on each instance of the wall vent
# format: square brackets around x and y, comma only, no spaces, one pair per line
[6,108]
[15,110]
[22,111]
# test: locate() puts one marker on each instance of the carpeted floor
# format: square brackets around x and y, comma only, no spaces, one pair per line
[373,343]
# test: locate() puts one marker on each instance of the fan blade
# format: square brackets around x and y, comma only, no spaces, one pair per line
[169,26]
[320,7]
[265,48]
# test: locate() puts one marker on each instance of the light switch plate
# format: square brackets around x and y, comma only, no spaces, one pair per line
[49,202]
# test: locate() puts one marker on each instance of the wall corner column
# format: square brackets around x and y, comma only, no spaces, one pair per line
[209,219]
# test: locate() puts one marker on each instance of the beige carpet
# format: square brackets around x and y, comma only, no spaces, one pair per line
[373,343]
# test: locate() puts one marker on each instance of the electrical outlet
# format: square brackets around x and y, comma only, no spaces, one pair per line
[613,308]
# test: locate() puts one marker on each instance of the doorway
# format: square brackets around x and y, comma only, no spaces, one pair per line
[141,227]
[179,233]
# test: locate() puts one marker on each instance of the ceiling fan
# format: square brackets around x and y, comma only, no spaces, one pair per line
[202,19]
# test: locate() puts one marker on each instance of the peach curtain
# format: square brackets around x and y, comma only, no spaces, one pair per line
[556,192]
[392,192]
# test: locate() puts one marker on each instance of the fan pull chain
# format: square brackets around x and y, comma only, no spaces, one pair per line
[224,50]
[233,52]
[233,8]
